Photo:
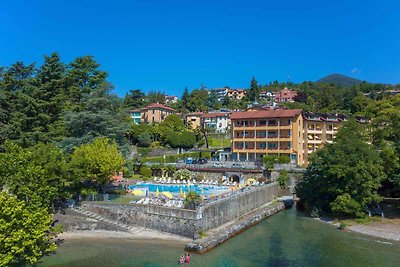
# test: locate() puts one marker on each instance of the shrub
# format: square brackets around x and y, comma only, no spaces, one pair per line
[346,205]
[184,173]
[342,225]
[283,179]
[145,172]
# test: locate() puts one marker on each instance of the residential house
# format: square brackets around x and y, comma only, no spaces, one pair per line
[286,95]
[171,99]
[236,94]
[193,119]
[219,121]
[221,92]
[153,113]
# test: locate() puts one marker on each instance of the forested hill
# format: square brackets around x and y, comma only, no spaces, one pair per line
[340,80]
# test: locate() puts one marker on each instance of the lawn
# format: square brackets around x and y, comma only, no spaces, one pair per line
[219,142]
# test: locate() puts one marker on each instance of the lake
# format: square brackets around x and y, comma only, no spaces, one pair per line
[285,239]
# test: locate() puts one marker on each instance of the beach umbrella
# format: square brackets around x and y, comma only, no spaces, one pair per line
[167,194]
[188,188]
[181,192]
[184,194]
[157,192]
[181,177]
[137,192]
[251,180]
[212,195]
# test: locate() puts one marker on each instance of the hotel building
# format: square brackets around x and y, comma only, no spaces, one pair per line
[319,128]
[256,133]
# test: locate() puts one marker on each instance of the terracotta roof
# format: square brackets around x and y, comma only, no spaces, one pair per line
[195,114]
[275,113]
[159,106]
[216,114]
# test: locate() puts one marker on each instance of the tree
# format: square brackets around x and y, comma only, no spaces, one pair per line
[283,179]
[192,200]
[100,115]
[185,100]
[25,233]
[35,175]
[344,176]
[96,162]
[134,99]
[155,97]
[144,139]
[254,90]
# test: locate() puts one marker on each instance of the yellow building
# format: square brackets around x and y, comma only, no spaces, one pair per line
[193,119]
[257,133]
[319,129]
[155,113]
[236,93]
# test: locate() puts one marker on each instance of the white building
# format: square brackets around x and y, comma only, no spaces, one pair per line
[219,121]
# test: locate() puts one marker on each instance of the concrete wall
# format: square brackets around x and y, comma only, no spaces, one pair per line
[187,222]
[222,211]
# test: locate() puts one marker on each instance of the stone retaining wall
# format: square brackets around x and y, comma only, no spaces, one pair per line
[219,237]
[187,222]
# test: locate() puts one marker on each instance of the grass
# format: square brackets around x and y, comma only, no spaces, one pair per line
[219,142]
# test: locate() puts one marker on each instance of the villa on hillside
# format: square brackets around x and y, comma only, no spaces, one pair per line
[193,119]
[171,99]
[236,93]
[218,121]
[153,113]
[286,95]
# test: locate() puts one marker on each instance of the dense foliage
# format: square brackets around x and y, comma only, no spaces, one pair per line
[25,233]
[343,177]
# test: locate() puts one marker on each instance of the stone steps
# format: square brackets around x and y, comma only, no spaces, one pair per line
[131,229]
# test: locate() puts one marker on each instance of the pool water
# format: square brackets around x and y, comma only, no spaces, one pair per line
[176,189]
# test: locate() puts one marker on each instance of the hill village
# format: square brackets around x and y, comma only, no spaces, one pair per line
[260,130]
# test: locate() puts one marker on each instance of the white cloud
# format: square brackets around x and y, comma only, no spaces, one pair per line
[355,71]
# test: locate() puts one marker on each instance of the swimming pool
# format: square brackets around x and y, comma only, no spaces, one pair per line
[176,189]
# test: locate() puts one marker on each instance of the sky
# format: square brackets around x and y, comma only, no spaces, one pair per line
[167,45]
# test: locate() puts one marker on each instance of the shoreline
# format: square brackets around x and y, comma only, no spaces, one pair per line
[142,235]
[376,229]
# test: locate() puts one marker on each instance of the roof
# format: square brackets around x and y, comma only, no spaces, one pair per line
[195,114]
[273,113]
[158,106]
[216,114]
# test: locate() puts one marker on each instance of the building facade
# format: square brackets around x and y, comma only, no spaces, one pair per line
[286,95]
[257,133]
[193,120]
[219,121]
[153,113]
[236,94]
[319,129]
[171,99]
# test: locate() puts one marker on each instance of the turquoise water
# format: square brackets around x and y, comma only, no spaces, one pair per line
[175,189]
[285,239]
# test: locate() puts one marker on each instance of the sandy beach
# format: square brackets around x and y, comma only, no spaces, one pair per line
[142,235]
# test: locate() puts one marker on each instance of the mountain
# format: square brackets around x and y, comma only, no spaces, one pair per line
[340,80]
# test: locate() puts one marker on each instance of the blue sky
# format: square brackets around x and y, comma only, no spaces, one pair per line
[167,45]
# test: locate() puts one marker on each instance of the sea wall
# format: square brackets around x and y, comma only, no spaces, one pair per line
[218,237]
[187,222]
[227,209]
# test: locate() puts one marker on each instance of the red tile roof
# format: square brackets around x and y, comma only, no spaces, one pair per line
[216,114]
[159,106]
[275,113]
[195,114]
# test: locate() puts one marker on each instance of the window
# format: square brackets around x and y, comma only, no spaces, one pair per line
[153,111]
